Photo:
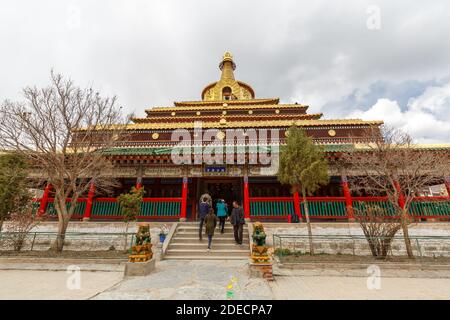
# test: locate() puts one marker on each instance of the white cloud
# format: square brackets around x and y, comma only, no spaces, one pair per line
[426,117]
[154,52]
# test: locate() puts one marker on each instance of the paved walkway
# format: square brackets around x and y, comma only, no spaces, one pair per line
[53,285]
[350,288]
[201,280]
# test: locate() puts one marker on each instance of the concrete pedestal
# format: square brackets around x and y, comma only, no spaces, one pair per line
[261,270]
[139,268]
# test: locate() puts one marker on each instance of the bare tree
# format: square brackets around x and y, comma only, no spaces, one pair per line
[378,229]
[63,129]
[21,222]
[393,166]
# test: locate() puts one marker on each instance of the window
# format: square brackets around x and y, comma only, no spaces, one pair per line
[226,93]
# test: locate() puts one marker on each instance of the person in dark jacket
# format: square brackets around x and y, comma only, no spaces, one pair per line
[210,222]
[237,220]
[204,209]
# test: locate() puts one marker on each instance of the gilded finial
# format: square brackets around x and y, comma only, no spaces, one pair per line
[227,56]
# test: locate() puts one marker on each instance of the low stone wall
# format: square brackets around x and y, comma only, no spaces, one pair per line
[83,236]
[95,237]
[358,245]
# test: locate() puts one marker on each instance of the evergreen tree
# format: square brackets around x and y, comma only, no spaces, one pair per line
[14,194]
[303,166]
[130,203]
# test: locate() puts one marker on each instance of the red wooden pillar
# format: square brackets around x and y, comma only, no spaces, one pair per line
[348,198]
[447,186]
[90,200]
[138,183]
[44,200]
[297,209]
[246,199]
[401,198]
[184,193]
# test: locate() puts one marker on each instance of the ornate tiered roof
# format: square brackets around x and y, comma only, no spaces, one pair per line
[231,104]
[253,124]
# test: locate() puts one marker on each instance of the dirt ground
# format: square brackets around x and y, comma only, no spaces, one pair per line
[104,254]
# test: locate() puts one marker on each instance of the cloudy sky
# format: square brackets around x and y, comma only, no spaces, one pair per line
[386,60]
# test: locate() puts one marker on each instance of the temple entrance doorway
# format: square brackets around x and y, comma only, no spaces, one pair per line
[229,189]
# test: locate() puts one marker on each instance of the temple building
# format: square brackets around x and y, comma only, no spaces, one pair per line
[144,156]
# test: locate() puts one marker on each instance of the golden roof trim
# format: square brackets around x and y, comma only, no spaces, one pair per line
[229,102]
[247,124]
[372,145]
[232,107]
[251,116]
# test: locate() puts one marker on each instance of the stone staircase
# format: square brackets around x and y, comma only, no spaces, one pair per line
[185,245]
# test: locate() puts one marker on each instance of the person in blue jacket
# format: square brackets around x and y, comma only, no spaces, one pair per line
[221,214]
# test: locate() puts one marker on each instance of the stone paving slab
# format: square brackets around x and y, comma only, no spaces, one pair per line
[347,271]
[200,280]
[52,285]
[62,266]
[355,288]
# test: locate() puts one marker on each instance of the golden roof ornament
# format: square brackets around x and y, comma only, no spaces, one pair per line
[227,88]
[227,56]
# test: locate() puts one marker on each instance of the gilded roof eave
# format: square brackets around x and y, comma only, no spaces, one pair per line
[149,119]
[227,107]
[149,151]
[247,124]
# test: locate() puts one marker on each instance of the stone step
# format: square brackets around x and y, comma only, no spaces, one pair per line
[196,225]
[205,240]
[203,252]
[203,245]
[170,257]
[187,230]
[216,235]
[193,228]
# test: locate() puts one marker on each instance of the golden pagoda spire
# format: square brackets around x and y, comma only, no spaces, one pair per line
[227,88]
[227,66]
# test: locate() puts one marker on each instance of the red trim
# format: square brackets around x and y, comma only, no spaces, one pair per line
[106,199]
[184,193]
[289,199]
[267,199]
[401,198]
[143,200]
[246,199]
[283,217]
[328,199]
[429,198]
[103,217]
[255,199]
[369,198]
[89,202]
[68,199]
[162,199]
[44,200]
[297,209]
[447,186]
[348,198]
